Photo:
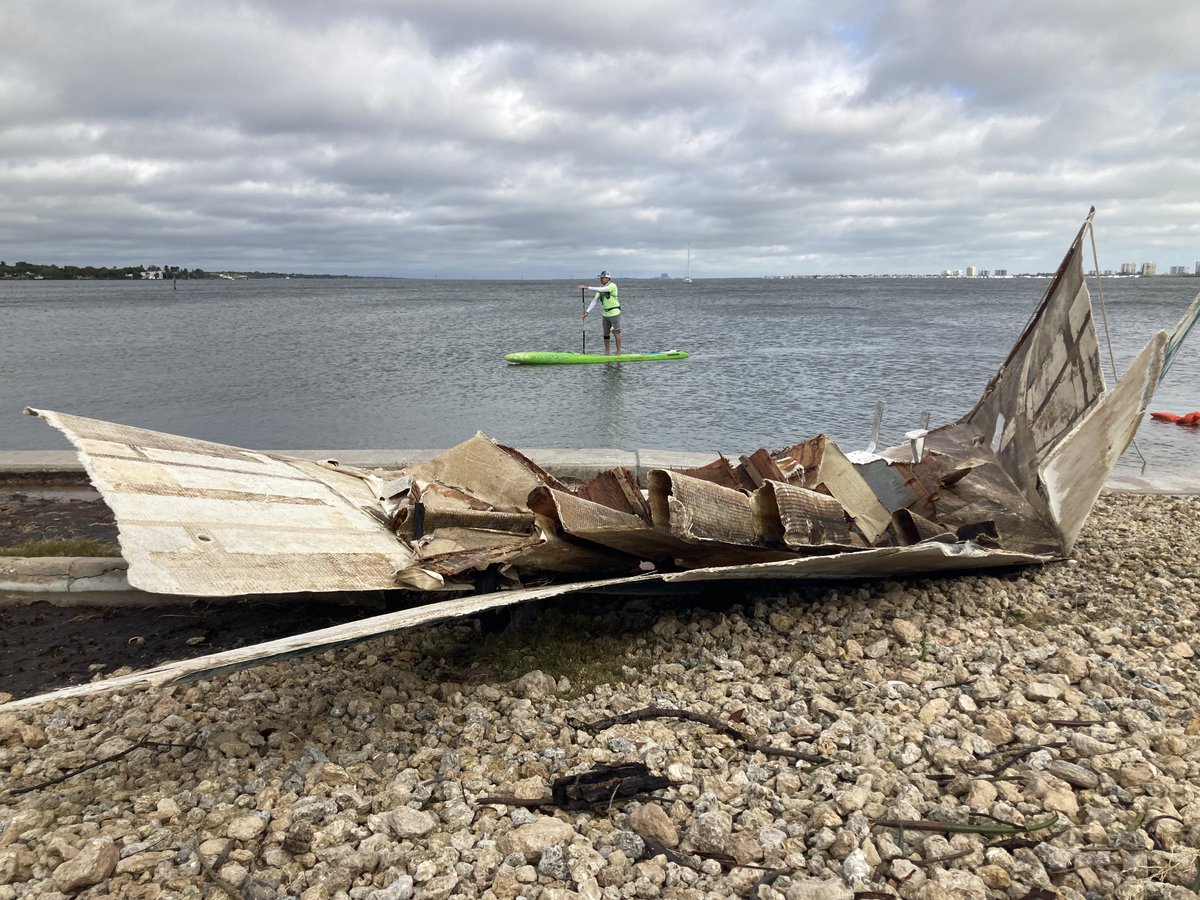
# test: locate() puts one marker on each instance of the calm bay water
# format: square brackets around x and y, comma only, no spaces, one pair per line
[367,363]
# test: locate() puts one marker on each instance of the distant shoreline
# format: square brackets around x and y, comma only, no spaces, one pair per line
[23,271]
[30,272]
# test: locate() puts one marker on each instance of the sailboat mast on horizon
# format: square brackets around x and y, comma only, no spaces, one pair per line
[687,278]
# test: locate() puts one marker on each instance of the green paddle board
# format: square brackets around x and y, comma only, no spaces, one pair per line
[572,359]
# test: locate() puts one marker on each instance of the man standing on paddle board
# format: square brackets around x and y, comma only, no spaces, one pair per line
[609,305]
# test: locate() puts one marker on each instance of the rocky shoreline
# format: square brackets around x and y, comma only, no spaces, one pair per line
[1057,707]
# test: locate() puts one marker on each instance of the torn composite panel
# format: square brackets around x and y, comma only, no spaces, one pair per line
[1049,381]
[195,517]
[1009,484]
[1017,475]
[473,506]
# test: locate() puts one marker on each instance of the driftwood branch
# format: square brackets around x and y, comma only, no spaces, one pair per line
[1159,818]
[799,755]
[964,827]
[515,801]
[658,712]
[1016,753]
[744,742]
[73,772]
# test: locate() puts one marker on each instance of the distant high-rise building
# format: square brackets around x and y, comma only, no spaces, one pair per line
[972,271]
[1179,270]
[1149,268]
[1131,268]
[1198,267]
[1001,273]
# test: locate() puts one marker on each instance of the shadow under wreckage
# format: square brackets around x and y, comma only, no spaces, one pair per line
[1010,483]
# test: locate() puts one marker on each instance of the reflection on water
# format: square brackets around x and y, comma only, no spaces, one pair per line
[365,363]
[610,406]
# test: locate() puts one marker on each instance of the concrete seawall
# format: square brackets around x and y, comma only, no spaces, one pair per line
[64,465]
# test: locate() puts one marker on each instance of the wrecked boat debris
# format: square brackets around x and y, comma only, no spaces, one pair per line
[1010,483]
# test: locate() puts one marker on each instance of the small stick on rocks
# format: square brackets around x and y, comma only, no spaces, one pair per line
[655,848]
[934,860]
[767,880]
[964,827]
[1021,752]
[210,869]
[515,801]
[800,755]
[656,712]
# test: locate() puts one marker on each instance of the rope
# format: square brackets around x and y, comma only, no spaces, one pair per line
[1112,360]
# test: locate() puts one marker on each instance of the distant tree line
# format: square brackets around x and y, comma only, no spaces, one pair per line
[34,270]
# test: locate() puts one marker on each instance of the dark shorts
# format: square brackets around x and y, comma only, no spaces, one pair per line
[612,323]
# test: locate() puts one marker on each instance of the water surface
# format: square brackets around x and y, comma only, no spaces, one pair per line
[379,363]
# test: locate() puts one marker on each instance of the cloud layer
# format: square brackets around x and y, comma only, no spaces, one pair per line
[545,139]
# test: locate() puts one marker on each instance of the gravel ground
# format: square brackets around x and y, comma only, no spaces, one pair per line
[1063,697]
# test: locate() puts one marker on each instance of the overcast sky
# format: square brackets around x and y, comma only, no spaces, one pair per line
[550,138]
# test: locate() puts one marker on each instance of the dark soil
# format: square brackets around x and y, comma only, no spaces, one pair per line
[43,647]
[26,517]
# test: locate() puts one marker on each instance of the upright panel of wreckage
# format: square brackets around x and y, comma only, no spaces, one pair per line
[1010,483]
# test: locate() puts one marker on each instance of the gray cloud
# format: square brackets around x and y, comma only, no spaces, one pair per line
[545,139]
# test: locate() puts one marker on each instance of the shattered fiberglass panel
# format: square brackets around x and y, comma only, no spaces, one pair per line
[1010,483]
[199,518]
[1017,474]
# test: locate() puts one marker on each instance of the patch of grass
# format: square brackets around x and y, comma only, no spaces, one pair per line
[62,547]
[586,648]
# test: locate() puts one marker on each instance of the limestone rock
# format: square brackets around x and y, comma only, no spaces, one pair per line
[532,839]
[96,860]
[651,821]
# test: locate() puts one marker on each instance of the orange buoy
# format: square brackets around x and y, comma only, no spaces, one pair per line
[1165,417]
[1192,418]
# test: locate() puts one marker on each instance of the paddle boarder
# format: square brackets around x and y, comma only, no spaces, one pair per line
[610,308]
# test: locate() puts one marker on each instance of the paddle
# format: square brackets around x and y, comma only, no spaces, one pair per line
[583,300]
